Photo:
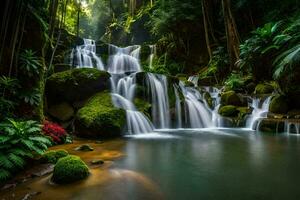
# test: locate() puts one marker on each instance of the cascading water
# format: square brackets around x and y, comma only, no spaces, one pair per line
[194,79]
[178,107]
[197,115]
[123,61]
[85,56]
[260,110]
[152,55]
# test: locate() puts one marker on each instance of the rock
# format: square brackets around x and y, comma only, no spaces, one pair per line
[189,84]
[271,126]
[143,106]
[232,98]
[99,118]
[62,111]
[70,169]
[75,85]
[53,156]
[84,147]
[263,89]
[206,81]
[228,111]
[250,87]
[295,113]
[279,105]
[97,162]
[182,77]
[208,99]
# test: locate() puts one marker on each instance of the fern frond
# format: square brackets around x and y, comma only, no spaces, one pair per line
[17,160]
[4,174]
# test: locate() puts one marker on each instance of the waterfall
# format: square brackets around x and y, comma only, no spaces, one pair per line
[122,62]
[214,92]
[178,107]
[197,115]
[85,56]
[158,90]
[260,110]
[152,55]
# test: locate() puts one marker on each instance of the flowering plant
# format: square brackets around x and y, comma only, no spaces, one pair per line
[55,131]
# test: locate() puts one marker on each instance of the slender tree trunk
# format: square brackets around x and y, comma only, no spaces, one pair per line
[233,41]
[4,28]
[206,30]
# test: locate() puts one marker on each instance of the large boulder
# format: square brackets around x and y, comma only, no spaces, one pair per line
[263,88]
[279,105]
[70,169]
[232,98]
[228,111]
[75,85]
[99,117]
[271,125]
[62,111]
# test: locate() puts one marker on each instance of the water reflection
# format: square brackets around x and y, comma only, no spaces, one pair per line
[218,164]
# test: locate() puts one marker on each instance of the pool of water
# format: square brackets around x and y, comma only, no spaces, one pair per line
[208,164]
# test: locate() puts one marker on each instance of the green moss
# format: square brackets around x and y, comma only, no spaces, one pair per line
[230,98]
[143,106]
[99,117]
[53,156]
[75,85]
[228,111]
[189,84]
[208,99]
[182,77]
[279,105]
[69,169]
[264,89]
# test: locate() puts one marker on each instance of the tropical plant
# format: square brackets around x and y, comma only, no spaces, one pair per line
[30,64]
[19,141]
[8,90]
[56,132]
[236,81]
[32,96]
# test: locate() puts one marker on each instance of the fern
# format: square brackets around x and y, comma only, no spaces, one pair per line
[19,141]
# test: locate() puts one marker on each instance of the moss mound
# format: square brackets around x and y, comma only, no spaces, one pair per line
[75,85]
[53,156]
[208,99]
[99,117]
[231,98]
[143,106]
[69,169]
[263,89]
[228,111]
[279,105]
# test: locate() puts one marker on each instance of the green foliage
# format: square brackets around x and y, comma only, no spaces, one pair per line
[19,140]
[30,64]
[69,169]
[32,97]
[8,90]
[236,81]
[53,156]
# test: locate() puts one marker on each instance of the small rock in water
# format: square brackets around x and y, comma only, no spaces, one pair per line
[97,162]
[98,142]
[84,147]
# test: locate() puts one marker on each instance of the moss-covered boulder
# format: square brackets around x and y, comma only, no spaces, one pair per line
[75,85]
[232,98]
[53,156]
[69,169]
[62,111]
[271,126]
[60,67]
[263,88]
[228,111]
[279,105]
[99,117]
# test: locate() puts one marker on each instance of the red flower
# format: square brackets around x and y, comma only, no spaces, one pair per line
[55,131]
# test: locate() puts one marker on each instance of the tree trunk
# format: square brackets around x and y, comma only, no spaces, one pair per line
[206,30]
[232,36]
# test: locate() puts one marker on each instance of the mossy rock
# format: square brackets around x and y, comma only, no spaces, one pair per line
[53,156]
[206,81]
[143,106]
[61,67]
[271,126]
[189,84]
[84,147]
[62,111]
[75,85]
[99,117]
[279,105]
[231,98]
[228,111]
[70,169]
[208,99]
[181,77]
[263,89]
